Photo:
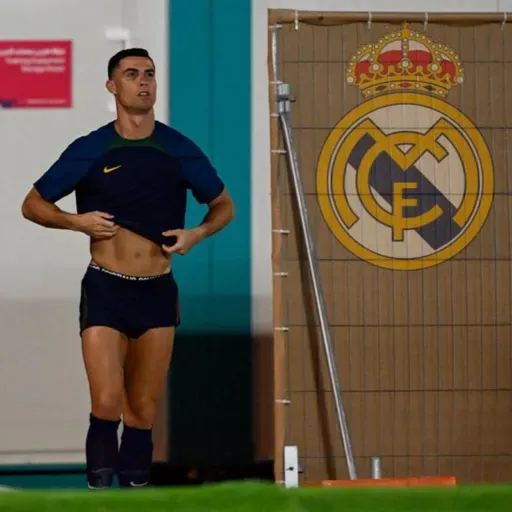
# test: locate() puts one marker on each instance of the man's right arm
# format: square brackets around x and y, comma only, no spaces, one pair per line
[40,211]
[57,182]
[60,180]
[97,225]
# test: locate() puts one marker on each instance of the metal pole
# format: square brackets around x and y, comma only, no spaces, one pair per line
[376,469]
[332,18]
[284,98]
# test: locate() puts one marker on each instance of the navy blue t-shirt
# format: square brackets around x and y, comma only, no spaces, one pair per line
[142,183]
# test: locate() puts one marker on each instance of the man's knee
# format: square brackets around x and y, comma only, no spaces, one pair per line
[140,412]
[108,405]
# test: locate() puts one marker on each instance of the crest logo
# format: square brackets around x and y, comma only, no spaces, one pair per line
[405,180]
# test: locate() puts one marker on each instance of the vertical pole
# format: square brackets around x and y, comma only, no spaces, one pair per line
[284,99]
[279,336]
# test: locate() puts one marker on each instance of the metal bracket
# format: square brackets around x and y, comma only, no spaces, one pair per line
[284,98]
[281,231]
[291,466]
[284,402]
[281,274]
[376,469]
[282,329]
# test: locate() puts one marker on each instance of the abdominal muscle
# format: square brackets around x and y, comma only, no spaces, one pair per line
[131,254]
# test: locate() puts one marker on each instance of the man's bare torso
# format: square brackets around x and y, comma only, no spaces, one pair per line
[131,254]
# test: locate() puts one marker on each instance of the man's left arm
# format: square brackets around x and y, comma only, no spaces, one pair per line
[220,213]
[207,188]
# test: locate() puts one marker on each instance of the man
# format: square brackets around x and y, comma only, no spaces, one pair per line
[130,178]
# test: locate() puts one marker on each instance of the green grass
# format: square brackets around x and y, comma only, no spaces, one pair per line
[255,497]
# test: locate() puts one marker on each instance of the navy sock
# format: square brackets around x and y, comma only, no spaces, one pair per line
[135,457]
[101,447]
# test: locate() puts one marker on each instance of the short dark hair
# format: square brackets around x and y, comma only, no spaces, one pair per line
[129,52]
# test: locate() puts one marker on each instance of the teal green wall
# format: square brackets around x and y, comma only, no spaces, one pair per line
[210,382]
[210,102]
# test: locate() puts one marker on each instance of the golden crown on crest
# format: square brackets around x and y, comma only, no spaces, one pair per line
[405,60]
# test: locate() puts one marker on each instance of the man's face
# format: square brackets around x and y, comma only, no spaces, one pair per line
[134,84]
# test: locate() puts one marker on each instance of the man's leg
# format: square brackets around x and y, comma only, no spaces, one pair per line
[104,351]
[146,368]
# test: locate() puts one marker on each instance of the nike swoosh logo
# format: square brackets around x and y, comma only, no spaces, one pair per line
[133,484]
[107,169]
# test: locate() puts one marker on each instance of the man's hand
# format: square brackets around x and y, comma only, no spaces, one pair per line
[185,240]
[220,213]
[96,224]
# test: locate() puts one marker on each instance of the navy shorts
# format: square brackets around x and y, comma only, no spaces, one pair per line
[129,304]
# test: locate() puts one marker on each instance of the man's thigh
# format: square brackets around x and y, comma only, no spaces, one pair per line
[104,350]
[147,364]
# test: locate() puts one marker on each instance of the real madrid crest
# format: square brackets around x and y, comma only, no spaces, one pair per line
[405,180]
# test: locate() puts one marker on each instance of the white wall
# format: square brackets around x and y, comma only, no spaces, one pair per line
[261,206]
[43,390]
[148,23]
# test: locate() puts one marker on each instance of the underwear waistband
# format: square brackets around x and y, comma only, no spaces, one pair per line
[94,266]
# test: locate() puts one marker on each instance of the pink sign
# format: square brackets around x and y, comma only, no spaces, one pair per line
[35,74]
